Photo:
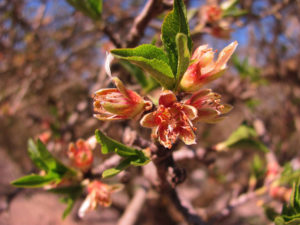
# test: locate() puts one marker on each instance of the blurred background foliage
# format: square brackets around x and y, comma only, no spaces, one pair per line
[51,61]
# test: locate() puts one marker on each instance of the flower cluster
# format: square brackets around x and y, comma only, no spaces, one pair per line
[171,118]
[213,16]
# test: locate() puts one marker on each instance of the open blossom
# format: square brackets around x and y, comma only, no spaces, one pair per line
[81,155]
[98,194]
[172,119]
[118,103]
[213,13]
[204,69]
[208,104]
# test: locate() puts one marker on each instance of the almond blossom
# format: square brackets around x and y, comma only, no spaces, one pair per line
[118,103]
[172,119]
[81,155]
[208,105]
[204,69]
[98,194]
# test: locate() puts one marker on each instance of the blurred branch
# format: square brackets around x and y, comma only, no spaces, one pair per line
[134,208]
[151,10]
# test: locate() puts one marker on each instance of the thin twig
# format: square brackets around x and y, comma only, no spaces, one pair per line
[151,9]
[134,208]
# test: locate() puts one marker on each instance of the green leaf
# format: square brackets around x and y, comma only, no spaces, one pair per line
[290,214]
[183,55]
[289,175]
[279,221]
[34,181]
[45,161]
[151,59]
[71,194]
[109,145]
[148,83]
[244,136]
[114,171]
[91,8]
[175,22]
[258,168]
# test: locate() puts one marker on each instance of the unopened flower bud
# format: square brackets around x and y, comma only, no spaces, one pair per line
[204,69]
[118,103]
[208,105]
[81,155]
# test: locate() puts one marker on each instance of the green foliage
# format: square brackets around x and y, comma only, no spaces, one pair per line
[245,70]
[71,193]
[43,159]
[166,68]
[91,8]
[258,168]
[34,181]
[289,175]
[175,22]
[243,136]
[183,55]
[131,156]
[290,214]
[148,83]
[151,59]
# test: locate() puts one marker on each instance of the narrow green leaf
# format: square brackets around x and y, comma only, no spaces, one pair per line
[175,22]
[70,204]
[244,136]
[139,161]
[114,171]
[109,145]
[126,152]
[183,55]
[34,181]
[152,60]
[36,156]
[71,193]
[91,8]
[45,161]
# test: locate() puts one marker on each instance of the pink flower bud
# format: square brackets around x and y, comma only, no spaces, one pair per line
[171,120]
[81,155]
[208,105]
[118,103]
[98,194]
[204,69]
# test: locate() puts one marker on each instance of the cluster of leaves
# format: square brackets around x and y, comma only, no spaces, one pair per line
[131,156]
[55,172]
[245,70]
[166,65]
[290,214]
